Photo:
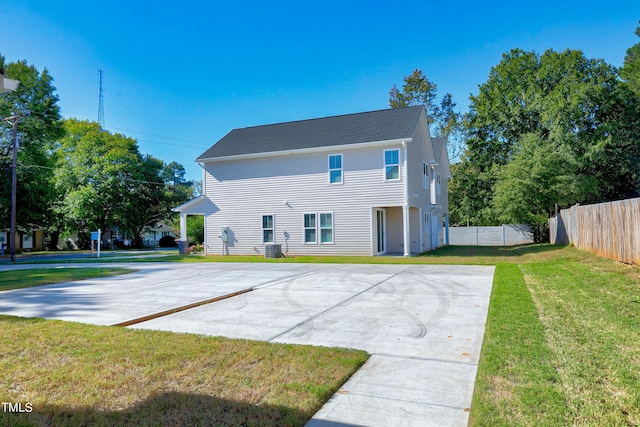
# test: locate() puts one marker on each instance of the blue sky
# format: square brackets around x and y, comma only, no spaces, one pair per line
[180,75]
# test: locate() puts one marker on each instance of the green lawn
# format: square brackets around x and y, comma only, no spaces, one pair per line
[17,279]
[73,374]
[562,343]
[562,347]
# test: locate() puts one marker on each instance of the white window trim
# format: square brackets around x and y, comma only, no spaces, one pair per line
[304,228]
[320,228]
[384,165]
[330,169]
[273,228]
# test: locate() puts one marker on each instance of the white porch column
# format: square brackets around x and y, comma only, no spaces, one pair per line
[405,230]
[183,244]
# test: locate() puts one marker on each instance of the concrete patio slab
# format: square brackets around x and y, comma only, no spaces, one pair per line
[423,325]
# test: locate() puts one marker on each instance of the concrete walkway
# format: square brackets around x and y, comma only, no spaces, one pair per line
[423,325]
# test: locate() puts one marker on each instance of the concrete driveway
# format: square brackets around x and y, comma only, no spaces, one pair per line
[423,325]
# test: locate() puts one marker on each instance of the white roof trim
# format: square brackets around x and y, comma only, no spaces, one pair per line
[325,149]
[189,204]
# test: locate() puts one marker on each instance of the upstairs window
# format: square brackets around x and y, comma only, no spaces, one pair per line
[391,164]
[425,175]
[335,169]
[267,228]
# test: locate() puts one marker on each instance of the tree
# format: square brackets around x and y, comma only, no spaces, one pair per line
[559,102]
[417,90]
[106,183]
[180,190]
[195,229]
[39,127]
[443,119]
[631,69]
[96,174]
[539,176]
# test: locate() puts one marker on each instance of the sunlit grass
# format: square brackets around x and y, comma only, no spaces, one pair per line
[562,344]
[17,279]
[74,374]
[562,347]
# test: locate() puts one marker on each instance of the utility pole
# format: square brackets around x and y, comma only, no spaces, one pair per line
[9,85]
[14,185]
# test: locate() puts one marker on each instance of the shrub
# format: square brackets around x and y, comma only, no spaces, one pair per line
[168,242]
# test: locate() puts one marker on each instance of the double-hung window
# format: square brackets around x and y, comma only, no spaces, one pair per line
[335,168]
[267,229]
[391,164]
[326,228]
[310,228]
[318,224]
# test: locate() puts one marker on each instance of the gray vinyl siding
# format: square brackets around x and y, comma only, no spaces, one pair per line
[419,151]
[289,185]
[244,190]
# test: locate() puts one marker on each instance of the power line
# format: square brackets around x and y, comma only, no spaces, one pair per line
[204,144]
[199,144]
[126,178]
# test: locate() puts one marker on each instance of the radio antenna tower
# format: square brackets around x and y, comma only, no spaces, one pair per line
[101,101]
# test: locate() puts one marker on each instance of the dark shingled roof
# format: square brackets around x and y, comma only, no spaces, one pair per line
[437,143]
[381,125]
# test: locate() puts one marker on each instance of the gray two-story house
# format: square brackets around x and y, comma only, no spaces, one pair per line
[369,183]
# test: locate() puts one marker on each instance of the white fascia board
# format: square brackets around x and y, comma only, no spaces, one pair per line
[189,204]
[323,149]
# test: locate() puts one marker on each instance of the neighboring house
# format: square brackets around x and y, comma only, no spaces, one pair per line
[25,240]
[152,235]
[370,183]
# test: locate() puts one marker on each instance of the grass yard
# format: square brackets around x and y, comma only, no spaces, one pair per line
[73,374]
[17,279]
[562,343]
[561,347]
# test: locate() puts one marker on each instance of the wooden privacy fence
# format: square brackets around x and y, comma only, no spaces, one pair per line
[610,229]
[501,235]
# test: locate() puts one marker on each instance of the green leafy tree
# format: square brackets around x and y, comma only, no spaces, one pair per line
[180,190]
[108,184]
[416,90]
[631,69]
[195,228]
[39,127]
[96,174]
[540,175]
[444,120]
[565,103]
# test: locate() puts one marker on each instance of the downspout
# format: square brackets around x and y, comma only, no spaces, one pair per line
[405,206]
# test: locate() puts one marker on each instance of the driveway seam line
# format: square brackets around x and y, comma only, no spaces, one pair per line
[181,308]
[426,359]
[335,306]
[174,310]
